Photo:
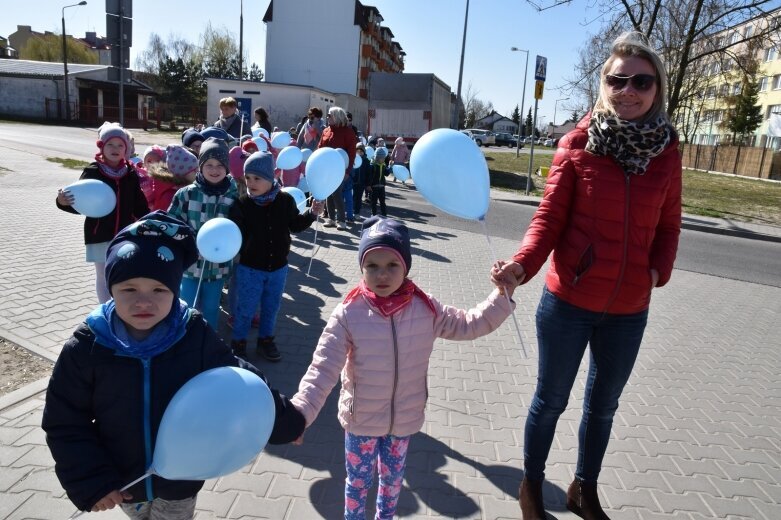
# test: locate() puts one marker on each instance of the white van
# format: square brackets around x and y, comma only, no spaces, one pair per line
[482,137]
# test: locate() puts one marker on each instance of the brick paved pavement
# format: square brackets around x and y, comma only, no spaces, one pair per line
[698,433]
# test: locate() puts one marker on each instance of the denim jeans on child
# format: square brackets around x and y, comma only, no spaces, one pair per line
[563,332]
[361,456]
[208,298]
[253,286]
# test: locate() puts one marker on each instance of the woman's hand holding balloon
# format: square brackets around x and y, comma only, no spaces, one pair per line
[64,198]
[507,276]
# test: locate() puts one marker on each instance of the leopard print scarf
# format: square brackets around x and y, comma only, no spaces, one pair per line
[631,144]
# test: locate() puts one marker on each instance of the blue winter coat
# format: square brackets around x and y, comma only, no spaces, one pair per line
[103,411]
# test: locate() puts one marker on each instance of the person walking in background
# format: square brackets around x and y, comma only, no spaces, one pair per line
[111,167]
[310,134]
[400,154]
[611,215]
[359,177]
[338,135]
[380,340]
[375,184]
[230,118]
[261,120]
[210,196]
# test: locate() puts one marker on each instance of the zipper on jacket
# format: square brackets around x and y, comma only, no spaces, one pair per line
[395,376]
[625,247]
[355,396]
[579,269]
[146,362]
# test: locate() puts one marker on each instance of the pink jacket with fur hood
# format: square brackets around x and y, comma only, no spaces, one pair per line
[384,361]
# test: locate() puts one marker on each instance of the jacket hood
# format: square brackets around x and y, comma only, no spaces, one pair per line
[165,175]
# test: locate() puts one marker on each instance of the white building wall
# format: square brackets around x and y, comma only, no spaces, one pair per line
[285,104]
[29,95]
[314,42]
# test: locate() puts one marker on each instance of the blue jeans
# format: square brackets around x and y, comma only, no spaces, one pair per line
[347,194]
[253,286]
[208,298]
[563,332]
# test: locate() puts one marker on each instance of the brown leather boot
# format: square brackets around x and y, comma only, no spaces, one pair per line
[530,497]
[583,500]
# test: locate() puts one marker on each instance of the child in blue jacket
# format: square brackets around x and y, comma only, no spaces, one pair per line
[123,365]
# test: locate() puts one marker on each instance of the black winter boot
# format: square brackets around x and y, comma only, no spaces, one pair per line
[530,497]
[583,500]
[268,349]
[239,348]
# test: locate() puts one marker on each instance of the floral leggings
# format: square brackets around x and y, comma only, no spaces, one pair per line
[361,456]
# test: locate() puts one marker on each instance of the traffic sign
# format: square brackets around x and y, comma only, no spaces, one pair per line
[539,86]
[117,7]
[113,33]
[540,68]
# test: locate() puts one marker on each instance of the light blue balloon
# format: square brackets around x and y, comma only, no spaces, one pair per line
[451,173]
[303,185]
[216,424]
[345,157]
[358,161]
[369,152]
[299,197]
[256,132]
[324,172]
[261,143]
[92,198]
[219,240]
[400,172]
[280,139]
[305,153]
[290,157]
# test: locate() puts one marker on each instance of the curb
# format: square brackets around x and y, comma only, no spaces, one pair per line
[31,389]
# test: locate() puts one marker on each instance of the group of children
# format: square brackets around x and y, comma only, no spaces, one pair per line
[123,365]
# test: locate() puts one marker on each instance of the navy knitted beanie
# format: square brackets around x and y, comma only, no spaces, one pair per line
[385,232]
[158,246]
[213,148]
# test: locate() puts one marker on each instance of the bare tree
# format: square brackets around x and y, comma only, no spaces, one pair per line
[474,107]
[686,33]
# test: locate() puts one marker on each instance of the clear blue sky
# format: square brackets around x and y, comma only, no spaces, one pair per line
[430,32]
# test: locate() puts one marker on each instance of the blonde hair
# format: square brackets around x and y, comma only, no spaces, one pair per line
[229,101]
[627,45]
[338,115]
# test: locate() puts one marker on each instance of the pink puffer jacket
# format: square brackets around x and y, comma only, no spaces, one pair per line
[384,361]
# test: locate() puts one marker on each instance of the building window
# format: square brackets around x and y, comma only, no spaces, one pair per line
[736,89]
[724,90]
[770,54]
[763,81]
[777,82]
[710,93]
[748,31]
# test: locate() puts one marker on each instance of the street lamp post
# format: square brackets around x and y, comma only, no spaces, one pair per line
[555,106]
[65,60]
[523,97]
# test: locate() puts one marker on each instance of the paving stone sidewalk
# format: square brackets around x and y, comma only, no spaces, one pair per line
[698,433]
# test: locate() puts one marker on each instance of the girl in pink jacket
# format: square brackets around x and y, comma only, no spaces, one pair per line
[380,339]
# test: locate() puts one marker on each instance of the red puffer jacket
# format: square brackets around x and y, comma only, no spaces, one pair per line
[607,229]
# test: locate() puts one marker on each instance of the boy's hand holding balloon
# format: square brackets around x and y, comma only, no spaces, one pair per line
[111,500]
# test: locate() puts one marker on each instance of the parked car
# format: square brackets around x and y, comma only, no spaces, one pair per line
[482,137]
[505,139]
[548,142]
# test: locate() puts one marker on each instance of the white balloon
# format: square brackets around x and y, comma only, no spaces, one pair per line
[280,139]
[324,172]
[92,198]
[305,153]
[289,158]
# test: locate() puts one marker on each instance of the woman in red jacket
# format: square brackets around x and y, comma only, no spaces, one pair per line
[611,215]
[338,134]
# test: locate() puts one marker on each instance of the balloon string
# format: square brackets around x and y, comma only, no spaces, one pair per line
[515,320]
[136,481]
[314,245]
[198,289]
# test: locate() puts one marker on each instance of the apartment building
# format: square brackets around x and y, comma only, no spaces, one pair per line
[330,45]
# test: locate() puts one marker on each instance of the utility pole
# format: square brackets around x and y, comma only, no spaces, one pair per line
[461,69]
[241,41]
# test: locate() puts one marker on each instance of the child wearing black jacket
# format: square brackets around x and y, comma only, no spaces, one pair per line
[123,365]
[112,167]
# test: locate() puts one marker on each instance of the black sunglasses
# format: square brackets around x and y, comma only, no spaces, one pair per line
[640,82]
